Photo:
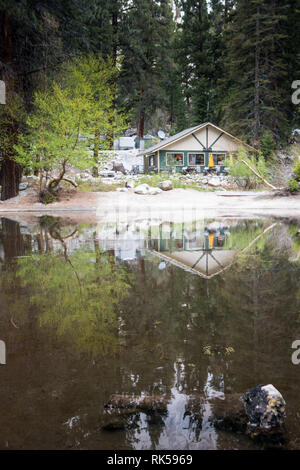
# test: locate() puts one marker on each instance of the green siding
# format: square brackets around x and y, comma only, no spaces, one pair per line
[164,167]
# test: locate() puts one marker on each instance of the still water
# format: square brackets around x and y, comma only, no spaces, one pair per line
[185,315]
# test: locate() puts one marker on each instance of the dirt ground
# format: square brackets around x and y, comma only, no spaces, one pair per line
[177,203]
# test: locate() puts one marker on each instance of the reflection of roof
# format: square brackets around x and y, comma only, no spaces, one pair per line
[204,263]
[207,263]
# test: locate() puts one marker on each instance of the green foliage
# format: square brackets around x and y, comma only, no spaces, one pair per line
[77,296]
[262,167]
[297,171]
[147,72]
[267,145]
[72,114]
[12,117]
[292,185]
[256,100]
[242,174]
[98,186]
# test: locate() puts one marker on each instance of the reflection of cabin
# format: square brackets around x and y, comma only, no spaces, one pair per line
[203,147]
[206,253]
[204,256]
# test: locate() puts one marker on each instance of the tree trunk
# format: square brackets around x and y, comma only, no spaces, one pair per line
[226,9]
[11,173]
[96,153]
[257,77]
[12,240]
[141,123]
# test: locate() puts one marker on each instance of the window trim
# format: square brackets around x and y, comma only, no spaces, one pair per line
[177,153]
[196,153]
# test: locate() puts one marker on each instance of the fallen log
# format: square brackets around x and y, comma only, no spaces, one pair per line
[260,177]
[147,403]
[259,413]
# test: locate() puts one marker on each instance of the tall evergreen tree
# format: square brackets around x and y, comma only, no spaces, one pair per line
[258,97]
[146,58]
[193,59]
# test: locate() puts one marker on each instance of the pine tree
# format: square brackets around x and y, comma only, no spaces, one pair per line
[193,59]
[146,42]
[258,97]
[216,56]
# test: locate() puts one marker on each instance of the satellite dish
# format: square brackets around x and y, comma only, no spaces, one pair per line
[161,134]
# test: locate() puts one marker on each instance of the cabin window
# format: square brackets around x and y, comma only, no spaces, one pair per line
[219,158]
[174,158]
[196,158]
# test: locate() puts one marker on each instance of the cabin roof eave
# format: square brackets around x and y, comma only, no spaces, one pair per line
[181,135]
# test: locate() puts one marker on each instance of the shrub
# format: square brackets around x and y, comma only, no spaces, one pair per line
[242,175]
[297,171]
[267,145]
[292,185]
[261,166]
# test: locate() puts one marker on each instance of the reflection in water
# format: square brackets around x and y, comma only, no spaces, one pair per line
[192,312]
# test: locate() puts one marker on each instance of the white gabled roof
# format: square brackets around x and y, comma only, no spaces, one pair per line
[185,133]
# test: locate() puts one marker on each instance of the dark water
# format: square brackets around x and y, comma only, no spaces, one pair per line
[187,313]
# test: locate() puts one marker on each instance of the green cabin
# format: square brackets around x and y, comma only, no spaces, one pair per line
[203,148]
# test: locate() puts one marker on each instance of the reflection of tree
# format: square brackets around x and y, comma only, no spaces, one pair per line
[76,295]
[167,321]
[14,244]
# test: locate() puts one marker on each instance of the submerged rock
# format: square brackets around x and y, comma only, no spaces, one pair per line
[259,414]
[265,410]
[123,411]
[147,403]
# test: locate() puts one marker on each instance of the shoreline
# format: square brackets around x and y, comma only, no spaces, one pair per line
[177,203]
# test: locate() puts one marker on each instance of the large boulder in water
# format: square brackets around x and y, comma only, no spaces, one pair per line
[265,410]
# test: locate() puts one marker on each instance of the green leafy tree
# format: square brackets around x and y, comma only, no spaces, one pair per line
[76,295]
[72,113]
[104,121]
[35,38]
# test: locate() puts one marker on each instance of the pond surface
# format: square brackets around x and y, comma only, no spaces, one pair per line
[184,315]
